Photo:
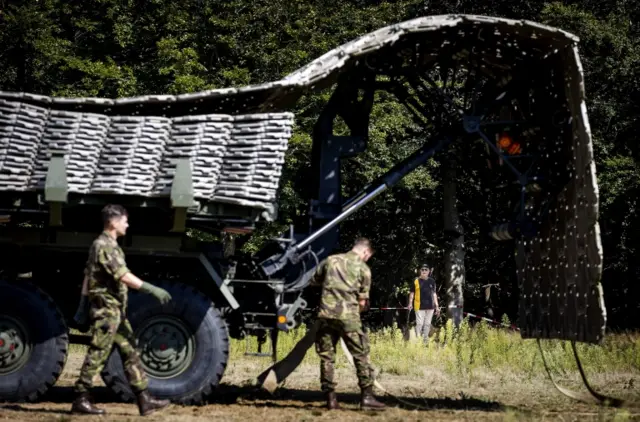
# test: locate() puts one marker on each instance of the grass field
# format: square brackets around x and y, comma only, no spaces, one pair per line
[483,373]
[481,348]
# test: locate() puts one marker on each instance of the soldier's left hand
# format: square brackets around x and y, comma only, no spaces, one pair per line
[161,294]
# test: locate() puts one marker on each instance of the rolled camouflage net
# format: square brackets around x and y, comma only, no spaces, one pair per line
[236,159]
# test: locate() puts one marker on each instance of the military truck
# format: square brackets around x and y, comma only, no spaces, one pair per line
[510,92]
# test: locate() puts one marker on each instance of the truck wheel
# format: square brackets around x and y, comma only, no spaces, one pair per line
[34,342]
[183,346]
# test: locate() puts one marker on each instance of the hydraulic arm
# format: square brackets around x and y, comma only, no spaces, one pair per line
[297,251]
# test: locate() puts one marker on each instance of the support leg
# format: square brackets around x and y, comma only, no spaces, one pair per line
[274,345]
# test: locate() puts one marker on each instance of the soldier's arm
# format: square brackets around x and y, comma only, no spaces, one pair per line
[116,267]
[318,276]
[85,282]
[131,281]
[365,284]
[85,286]
[135,283]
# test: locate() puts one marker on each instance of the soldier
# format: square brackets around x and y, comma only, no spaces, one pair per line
[104,299]
[345,280]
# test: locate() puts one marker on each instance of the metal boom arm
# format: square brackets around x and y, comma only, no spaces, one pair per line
[386,181]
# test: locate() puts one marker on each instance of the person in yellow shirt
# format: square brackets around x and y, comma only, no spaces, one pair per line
[423,299]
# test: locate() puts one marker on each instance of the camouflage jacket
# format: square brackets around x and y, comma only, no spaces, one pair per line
[345,279]
[105,267]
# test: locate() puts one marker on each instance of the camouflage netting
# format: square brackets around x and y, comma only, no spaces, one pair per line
[127,145]
[235,159]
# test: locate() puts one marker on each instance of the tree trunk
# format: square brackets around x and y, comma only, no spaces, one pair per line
[454,258]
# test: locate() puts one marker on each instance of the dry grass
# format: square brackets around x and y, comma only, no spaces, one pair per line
[480,374]
[481,349]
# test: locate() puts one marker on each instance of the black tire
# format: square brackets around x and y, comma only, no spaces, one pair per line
[31,325]
[210,345]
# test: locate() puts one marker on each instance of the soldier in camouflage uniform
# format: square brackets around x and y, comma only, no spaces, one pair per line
[103,304]
[345,280]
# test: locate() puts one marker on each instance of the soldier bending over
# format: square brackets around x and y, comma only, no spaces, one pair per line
[345,280]
[104,299]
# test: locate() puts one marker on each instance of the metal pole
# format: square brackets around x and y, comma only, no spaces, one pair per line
[341,217]
[388,180]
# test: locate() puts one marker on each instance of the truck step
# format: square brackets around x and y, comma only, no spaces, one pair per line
[271,333]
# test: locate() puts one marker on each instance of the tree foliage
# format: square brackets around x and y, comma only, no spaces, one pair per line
[123,48]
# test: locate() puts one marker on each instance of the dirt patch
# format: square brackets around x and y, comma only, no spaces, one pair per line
[434,397]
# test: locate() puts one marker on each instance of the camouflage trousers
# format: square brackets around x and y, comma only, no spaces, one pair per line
[330,331]
[110,327]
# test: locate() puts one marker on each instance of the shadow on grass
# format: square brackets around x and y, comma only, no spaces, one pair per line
[283,398]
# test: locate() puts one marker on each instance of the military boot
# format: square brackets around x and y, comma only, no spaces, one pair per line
[83,405]
[369,402]
[147,404]
[332,401]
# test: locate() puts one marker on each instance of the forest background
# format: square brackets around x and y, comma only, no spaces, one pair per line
[117,48]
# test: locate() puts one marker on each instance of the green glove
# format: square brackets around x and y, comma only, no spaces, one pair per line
[161,294]
[81,317]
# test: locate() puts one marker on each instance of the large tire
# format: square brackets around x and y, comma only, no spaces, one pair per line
[196,369]
[34,341]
